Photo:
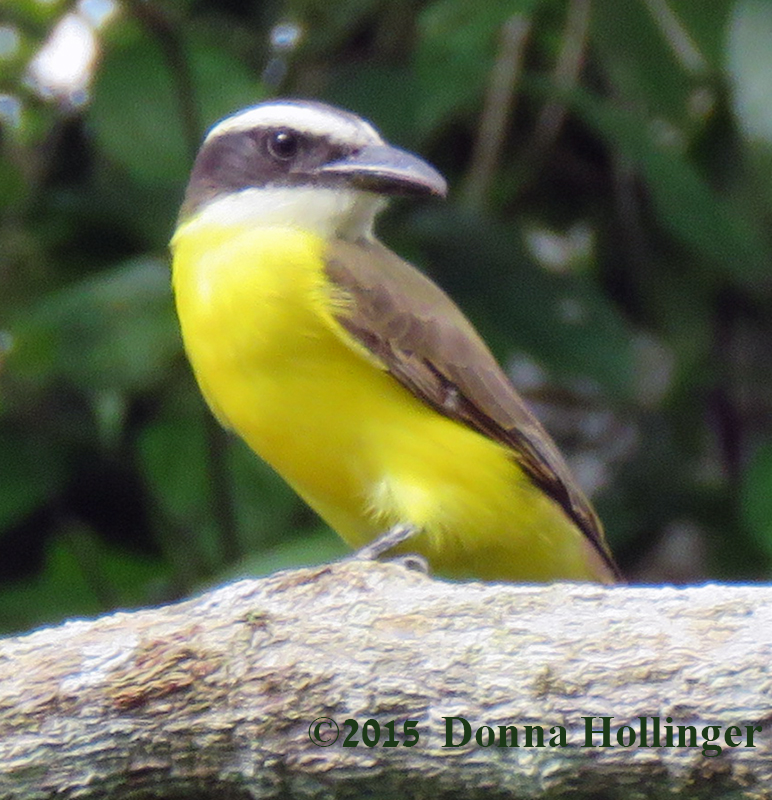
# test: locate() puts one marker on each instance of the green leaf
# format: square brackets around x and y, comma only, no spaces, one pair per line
[81,574]
[636,57]
[266,506]
[13,190]
[686,205]
[137,111]
[173,458]
[456,49]
[384,94]
[30,474]
[113,331]
[705,30]
[223,83]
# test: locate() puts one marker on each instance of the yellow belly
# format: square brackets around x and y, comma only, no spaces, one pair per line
[366,454]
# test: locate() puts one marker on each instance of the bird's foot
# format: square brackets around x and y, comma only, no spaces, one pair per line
[388,541]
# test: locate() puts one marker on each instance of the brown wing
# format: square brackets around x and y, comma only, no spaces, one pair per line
[422,338]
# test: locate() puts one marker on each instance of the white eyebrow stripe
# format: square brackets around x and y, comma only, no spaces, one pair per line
[309,119]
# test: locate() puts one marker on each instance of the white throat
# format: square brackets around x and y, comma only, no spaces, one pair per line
[330,213]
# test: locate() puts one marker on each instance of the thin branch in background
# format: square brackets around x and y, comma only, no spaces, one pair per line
[728,422]
[676,35]
[220,483]
[393,37]
[568,69]
[633,240]
[77,538]
[566,75]
[180,546]
[499,104]
[171,47]
[181,550]
[155,22]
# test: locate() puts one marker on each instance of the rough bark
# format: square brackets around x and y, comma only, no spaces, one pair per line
[214,697]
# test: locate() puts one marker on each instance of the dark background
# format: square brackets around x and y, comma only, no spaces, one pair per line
[608,230]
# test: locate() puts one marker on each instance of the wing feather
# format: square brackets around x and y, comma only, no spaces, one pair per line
[423,339]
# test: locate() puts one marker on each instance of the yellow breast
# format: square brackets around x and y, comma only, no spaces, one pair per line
[256,315]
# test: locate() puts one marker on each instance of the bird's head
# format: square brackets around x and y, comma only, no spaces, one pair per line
[303,164]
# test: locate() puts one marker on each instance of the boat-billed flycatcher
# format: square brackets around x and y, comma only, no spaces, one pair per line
[347,370]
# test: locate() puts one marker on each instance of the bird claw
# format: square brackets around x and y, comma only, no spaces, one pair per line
[413,562]
[392,538]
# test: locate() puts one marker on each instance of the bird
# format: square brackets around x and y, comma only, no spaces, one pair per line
[350,372]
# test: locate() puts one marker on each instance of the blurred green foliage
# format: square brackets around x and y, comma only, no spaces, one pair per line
[608,231]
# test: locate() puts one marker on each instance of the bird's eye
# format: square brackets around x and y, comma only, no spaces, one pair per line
[283,145]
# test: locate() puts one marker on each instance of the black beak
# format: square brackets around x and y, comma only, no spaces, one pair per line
[384,169]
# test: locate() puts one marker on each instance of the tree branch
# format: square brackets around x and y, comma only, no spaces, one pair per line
[214,697]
